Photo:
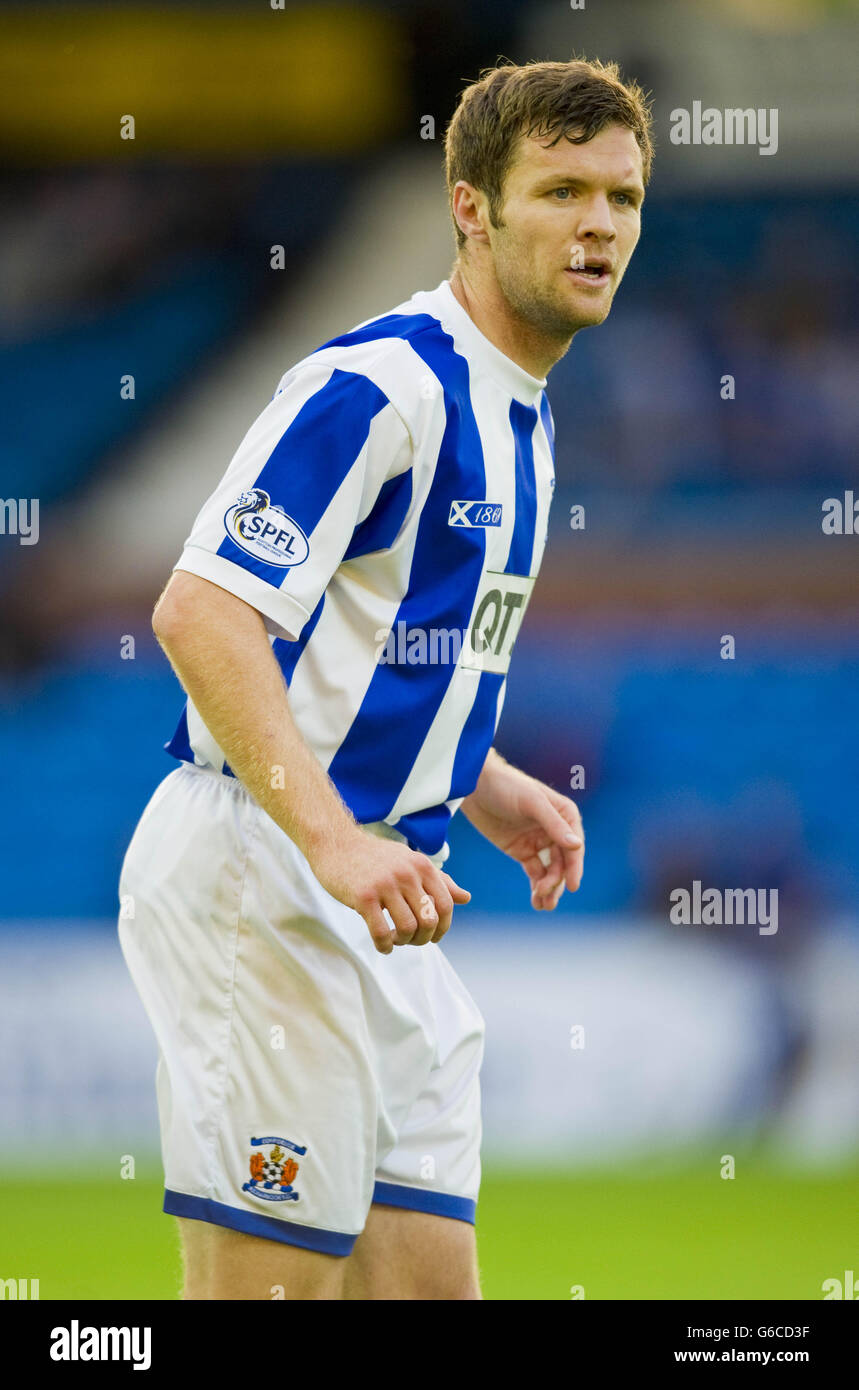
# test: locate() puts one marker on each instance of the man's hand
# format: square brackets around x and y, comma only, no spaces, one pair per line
[369,874]
[533,824]
[219,648]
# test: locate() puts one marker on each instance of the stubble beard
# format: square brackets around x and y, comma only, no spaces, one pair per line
[544,312]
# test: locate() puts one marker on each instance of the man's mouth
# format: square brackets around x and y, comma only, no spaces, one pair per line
[592,272]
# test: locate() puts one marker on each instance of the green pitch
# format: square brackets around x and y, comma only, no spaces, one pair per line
[620,1235]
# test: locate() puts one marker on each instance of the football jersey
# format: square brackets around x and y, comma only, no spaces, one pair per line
[386,514]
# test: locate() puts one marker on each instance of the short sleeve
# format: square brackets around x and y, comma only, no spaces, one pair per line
[303,480]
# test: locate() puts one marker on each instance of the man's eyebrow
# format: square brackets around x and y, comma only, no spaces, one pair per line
[555,180]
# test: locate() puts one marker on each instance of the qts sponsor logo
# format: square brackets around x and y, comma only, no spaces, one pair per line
[498,612]
[265,531]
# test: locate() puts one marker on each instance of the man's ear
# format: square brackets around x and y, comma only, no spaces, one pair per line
[471,211]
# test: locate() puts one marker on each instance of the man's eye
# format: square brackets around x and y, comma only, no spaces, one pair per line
[562,190]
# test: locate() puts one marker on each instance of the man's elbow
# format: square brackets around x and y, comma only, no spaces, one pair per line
[190,606]
[169,617]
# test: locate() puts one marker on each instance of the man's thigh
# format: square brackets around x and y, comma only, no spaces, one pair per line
[403,1254]
[226,1264]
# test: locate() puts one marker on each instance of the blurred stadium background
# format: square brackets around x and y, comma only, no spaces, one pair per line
[304,127]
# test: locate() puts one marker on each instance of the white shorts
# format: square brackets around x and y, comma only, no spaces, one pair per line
[301,1074]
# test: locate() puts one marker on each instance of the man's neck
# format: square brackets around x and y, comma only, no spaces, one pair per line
[488,309]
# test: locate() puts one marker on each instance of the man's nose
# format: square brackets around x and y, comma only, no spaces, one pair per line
[595,219]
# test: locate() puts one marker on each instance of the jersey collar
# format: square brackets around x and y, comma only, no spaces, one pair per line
[515,379]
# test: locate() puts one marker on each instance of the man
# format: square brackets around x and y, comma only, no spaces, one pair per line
[318,1084]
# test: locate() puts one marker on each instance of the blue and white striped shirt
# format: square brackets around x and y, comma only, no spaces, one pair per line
[386,514]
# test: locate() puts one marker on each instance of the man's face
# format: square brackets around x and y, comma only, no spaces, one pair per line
[580,200]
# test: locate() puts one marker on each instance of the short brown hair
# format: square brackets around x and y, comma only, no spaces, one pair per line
[576,99]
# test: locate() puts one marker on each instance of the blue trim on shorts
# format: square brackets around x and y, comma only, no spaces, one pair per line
[255,1224]
[394,1194]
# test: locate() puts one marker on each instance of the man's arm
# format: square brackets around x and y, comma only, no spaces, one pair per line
[533,824]
[219,649]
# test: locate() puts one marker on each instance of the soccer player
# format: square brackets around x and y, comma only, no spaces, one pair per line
[342,619]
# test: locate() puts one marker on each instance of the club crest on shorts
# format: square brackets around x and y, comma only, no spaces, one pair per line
[264,530]
[272,1175]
